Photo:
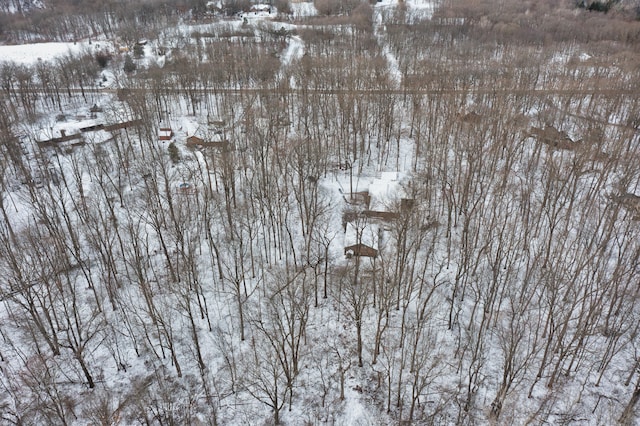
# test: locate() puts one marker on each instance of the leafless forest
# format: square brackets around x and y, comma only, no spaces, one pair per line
[204,281]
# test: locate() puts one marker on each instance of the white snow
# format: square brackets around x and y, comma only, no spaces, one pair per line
[260,11]
[294,50]
[330,324]
[384,191]
[366,234]
[29,54]
[423,7]
[302,9]
[355,413]
[24,6]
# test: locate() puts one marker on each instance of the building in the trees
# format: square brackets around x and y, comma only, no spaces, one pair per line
[362,239]
[165,134]
[197,142]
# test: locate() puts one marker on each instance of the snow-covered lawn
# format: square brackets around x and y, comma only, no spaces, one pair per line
[29,54]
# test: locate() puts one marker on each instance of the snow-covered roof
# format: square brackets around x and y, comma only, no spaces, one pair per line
[260,7]
[366,234]
[385,191]
[68,127]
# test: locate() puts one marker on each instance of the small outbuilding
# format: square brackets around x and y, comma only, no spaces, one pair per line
[165,134]
[361,240]
[360,250]
[197,142]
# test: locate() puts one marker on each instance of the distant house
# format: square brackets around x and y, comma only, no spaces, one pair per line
[362,199]
[384,216]
[99,129]
[165,134]
[92,128]
[64,137]
[554,138]
[196,142]
[122,125]
[257,8]
[360,250]
[471,118]
[186,188]
[631,202]
[361,241]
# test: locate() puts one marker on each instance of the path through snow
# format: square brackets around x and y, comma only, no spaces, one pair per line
[294,51]
[427,7]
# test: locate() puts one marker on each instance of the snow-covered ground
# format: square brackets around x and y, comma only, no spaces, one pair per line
[29,54]
[294,51]
[231,223]
[16,6]
[422,8]
[302,9]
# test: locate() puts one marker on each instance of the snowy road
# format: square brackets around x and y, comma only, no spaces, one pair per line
[294,51]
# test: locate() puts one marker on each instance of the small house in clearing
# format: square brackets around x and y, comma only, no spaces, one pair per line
[197,142]
[368,213]
[360,250]
[380,200]
[64,137]
[361,240]
[359,199]
[554,138]
[260,8]
[165,134]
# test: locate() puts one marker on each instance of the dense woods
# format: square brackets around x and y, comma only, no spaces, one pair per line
[150,281]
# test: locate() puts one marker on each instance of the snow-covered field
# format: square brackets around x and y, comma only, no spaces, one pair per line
[16,6]
[30,54]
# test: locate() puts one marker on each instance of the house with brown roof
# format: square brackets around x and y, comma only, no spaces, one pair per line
[197,142]
[165,134]
[360,250]
[361,239]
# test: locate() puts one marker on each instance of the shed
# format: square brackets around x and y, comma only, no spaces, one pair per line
[361,198]
[360,250]
[382,215]
[195,141]
[165,134]
[361,240]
